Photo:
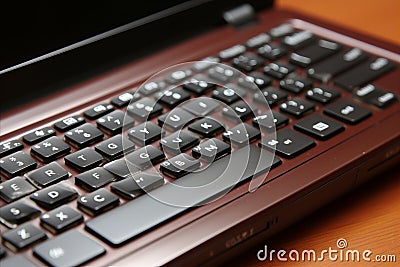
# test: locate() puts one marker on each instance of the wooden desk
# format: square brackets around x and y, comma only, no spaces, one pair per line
[368,218]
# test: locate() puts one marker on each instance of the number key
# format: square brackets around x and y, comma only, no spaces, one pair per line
[16,164]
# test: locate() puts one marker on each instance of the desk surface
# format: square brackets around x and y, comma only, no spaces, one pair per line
[369,217]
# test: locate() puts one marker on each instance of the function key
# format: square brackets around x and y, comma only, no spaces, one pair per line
[98,202]
[9,147]
[247,62]
[298,39]
[229,94]
[84,159]
[322,95]
[98,111]
[50,149]
[151,88]
[16,164]
[347,111]
[61,219]
[232,52]
[222,74]
[314,53]
[22,237]
[271,51]
[239,111]
[145,133]
[145,157]
[278,70]
[281,30]
[258,40]
[15,188]
[207,127]
[69,123]
[138,184]
[374,95]
[242,134]
[254,81]
[175,119]
[124,99]
[54,196]
[38,135]
[201,106]
[319,127]
[297,107]
[94,179]
[211,150]
[49,174]
[204,64]
[295,85]
[199,86]
[144,109]
[272,95]
[179,141]
[17,213]
[84,135]
[179,165]
[113,122]
[114,147]
[178,76]
[264,121]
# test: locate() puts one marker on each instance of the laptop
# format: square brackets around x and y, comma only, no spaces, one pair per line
[181,132]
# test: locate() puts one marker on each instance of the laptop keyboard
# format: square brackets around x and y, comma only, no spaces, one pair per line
[73,172]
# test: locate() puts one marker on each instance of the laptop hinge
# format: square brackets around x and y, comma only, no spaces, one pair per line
[240,16]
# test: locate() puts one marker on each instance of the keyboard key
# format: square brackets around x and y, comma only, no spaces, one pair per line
[258,40]
[178,76]
[336,64]
[61,219]
[98,111]
[84,135]
[298,39]
[15,188]
[281,30]
[98,202]
[17,213]
[54,196]
[207,127]
[145,157]
[176,119]
[47,175]
[17,260]
[247,62]
[228,171]
[145,133]
[94,179]
[121,169]
[347,111]
[211,150]
[9,147]
[69,123]
[272,52]
[374,95]
[229,94]
[364,73]
[278,70]
[83,160]
[231,52]
[113,122]
[151,88]
[264,121]
[114,147]
[72,248]
[124,99]
[297,107]
[179,141]
[201,106]
[38,135]
[22,237]
[222,74]
[144,109]
[322,95]
[179,165]
[239,111]
[241,134]
[319,127]
[138,184]
[50,149]
[287,143]
[205,63]
[270,95]
[16,164]
[254,81]
[173,97]
[295,85]
[199,86]
[314,53]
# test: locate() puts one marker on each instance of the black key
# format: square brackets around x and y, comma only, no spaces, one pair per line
[270,95]
[222,74]
[124,99]
[173,97]
[15,188]
[272,52]
[264,121]
[145,157]
[121,169]
[298,39]
[50,149]
[114,147]
[258,40]
[319,127]
[254,81]
[295,85]
[207,127]
[9,147]
[347,111]
[98,202]
[297,107]
[69,123]
[144,109]
[288,143]
[3,253]
[231,52]
[179,165]
[205,63]
[336,64]
[98,111]
[364,73]
[145,133]
[247,62]
[314,53]
[175,119]
[72,248]
[16,164]
[39,135]
[179,141]
[241,134]
[113,122]
[229,94]
[281,30]
[178,76]
[54,196]
[227,172]
[211,150]
[322,95]
[84,159]
[22,237]
[84,135]
[17,260]
[278,70]
[138,184]
[61,219]
[151,88]
[47,175]
[239,111]
[374,95]
[201,106]
[198,86]
[94,179]
[17,213]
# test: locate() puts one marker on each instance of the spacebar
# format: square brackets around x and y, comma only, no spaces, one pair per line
[133,218]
